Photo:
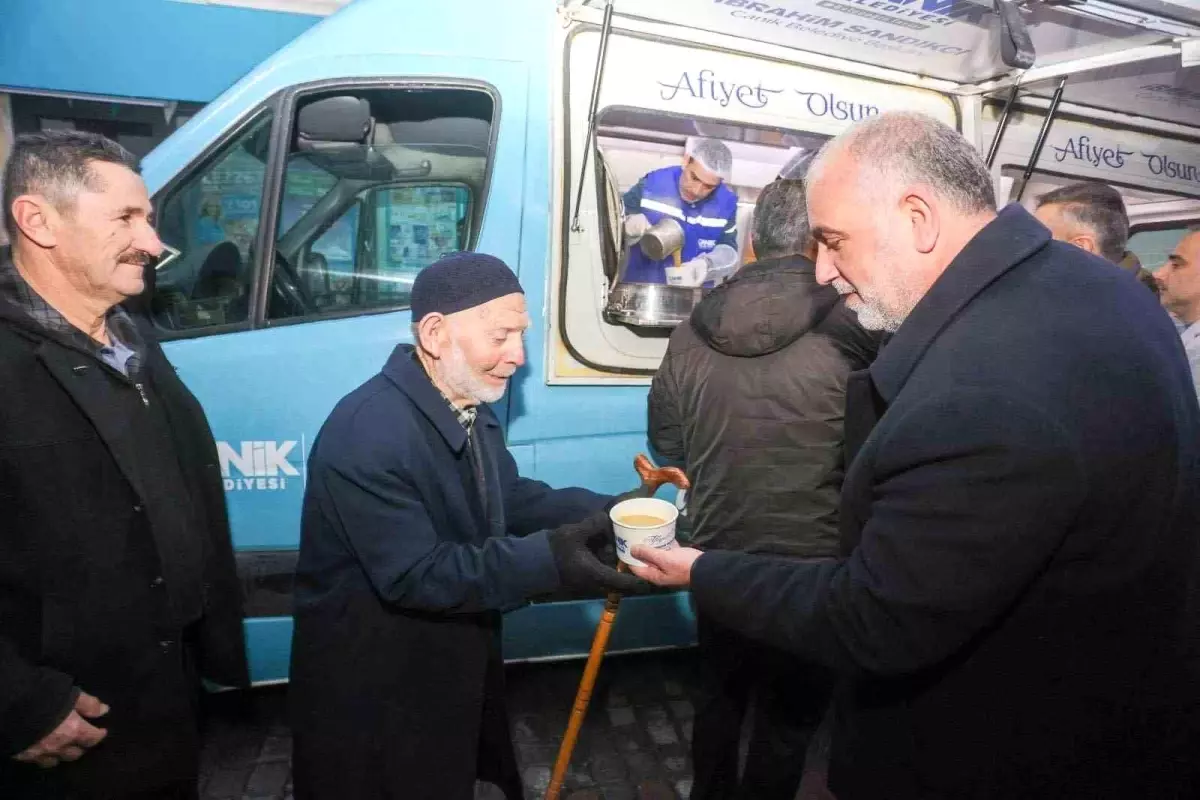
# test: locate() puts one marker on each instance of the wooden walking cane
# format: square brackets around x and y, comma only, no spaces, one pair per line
[652,478]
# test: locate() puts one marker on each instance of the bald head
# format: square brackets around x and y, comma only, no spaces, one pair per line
[903,148]
[892,201]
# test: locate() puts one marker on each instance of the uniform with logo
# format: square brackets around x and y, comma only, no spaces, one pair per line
[707,223]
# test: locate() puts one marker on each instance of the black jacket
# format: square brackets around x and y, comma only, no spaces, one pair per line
[405,566]
[749,400]
[1018,612]
[84,603]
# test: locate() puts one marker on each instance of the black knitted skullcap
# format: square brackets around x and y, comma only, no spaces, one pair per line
[459,281]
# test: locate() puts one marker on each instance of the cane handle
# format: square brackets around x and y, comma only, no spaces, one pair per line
[654,477]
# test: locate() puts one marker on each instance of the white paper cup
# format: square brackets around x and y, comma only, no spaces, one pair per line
[659,536]
[676,276]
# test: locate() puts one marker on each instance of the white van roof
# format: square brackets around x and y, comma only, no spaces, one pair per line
[1123,55]
[1157,89]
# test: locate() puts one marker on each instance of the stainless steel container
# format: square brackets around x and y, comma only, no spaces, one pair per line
[651,305]
[662,239]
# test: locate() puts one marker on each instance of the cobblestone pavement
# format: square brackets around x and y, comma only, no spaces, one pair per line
[633,746]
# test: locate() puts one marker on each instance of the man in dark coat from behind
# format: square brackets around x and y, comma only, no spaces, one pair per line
[749,400]
[1017,611]
[117,582]
[417,534]
[1091,215]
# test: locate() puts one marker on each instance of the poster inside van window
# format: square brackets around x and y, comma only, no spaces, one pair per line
[422,226]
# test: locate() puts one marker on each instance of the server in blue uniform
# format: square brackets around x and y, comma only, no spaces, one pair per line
[695,194]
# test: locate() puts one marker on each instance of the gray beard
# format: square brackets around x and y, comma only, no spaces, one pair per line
[874,318]
[464,382]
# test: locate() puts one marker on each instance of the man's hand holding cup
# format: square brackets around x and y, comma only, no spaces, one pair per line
[670,567]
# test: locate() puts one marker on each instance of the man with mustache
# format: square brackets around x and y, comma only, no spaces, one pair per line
[117,586]
[417,534]
[1015,613]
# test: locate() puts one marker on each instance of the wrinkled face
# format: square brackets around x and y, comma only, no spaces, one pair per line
[485,347]
[1180,279]
[696,182]
[105,238]
[1064,229]
[865,245]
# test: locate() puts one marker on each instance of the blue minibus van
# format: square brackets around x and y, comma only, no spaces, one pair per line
[304,200]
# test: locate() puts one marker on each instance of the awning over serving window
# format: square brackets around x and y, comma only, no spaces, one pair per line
[960,41]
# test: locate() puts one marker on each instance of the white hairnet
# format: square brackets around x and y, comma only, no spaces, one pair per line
[712,154]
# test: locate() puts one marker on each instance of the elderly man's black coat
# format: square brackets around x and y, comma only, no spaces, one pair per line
[1016,612]
[83,601]
[406,562]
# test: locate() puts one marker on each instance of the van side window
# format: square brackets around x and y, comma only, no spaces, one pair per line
[379,184]
[212,219]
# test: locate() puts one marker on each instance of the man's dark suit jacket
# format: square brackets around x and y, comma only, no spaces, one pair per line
[1015,611]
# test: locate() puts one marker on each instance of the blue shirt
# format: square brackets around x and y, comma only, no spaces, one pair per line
[116,355]
[706,223]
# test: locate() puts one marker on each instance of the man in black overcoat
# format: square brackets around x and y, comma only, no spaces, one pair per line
[1014,615]
[117,582]
[417,533]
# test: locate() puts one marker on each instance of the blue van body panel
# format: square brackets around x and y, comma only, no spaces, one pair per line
[268,648]
[273,387]
[539,632]
[155,49]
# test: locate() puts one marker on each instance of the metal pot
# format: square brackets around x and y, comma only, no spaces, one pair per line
[662,239]
[651,305]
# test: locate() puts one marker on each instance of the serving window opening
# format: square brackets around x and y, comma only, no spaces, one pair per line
[694,183]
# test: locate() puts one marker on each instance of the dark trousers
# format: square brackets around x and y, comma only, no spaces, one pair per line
[790,699]
[181,790]
[185,790]
[497,760]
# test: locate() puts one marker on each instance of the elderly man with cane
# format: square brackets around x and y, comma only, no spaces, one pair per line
[417,533]
[1015,612]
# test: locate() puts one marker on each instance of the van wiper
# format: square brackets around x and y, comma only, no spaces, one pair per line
[605,30]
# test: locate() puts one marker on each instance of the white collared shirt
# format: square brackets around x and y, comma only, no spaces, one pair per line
[1191,344]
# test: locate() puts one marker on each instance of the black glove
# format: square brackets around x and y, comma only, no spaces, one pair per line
[573,546]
